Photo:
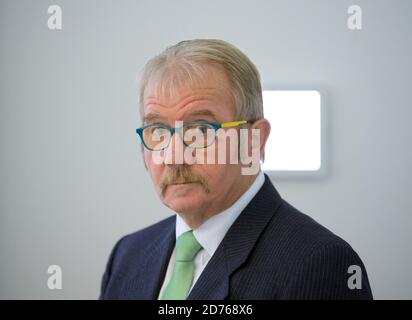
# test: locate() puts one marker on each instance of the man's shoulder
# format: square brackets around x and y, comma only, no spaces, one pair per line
[289,231]
[305,259]
[149,233]
[299,234]
[134,245]
[313,261]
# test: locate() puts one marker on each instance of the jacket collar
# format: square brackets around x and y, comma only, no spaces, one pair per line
[236,246]
[233,251]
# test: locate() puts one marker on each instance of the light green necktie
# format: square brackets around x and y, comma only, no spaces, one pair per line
[181,281]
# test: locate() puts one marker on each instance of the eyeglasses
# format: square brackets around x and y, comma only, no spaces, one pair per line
[197,135]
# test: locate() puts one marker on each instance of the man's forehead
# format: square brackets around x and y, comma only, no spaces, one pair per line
[203,101]
[181,96]
[155,94]
[208,113]
[172,87]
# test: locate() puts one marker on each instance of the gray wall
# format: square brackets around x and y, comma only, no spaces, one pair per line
[71,177]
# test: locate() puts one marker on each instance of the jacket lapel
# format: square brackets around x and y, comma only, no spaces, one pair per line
[146,283]
[233,251]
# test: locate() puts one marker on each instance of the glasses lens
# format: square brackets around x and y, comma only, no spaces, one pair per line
[198,135]
[156,137]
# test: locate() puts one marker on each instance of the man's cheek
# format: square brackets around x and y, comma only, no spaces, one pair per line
[146,159]
[149,161]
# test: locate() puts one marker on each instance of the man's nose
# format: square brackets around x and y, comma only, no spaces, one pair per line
[174,153]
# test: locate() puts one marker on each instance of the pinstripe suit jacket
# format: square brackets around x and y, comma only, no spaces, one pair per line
[272,251]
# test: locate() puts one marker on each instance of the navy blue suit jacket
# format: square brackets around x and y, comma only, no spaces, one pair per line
[272,251]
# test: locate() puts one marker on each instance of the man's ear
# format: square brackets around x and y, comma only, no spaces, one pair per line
[263,126]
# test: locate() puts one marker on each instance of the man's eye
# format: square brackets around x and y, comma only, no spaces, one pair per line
[158,130]
[200,128]
[203,128]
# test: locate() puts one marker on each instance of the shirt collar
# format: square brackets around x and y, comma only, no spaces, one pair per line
[213,230]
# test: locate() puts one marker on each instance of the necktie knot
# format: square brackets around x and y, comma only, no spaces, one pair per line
[187,247]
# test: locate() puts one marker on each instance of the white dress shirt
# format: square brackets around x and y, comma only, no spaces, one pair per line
[212,231]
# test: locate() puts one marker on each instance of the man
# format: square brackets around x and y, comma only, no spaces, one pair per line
[233,236]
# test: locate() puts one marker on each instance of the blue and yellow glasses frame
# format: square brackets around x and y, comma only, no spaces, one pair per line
[157,137]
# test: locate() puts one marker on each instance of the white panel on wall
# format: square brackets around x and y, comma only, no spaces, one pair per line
[295,140]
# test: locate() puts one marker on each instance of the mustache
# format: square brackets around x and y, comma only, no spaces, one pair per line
[183,175]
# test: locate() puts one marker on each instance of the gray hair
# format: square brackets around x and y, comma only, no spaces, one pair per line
[186,61]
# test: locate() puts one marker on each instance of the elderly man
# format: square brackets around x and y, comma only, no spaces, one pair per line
[233,236]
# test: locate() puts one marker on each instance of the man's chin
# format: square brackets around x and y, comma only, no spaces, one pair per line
[183,203]
[186,196]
